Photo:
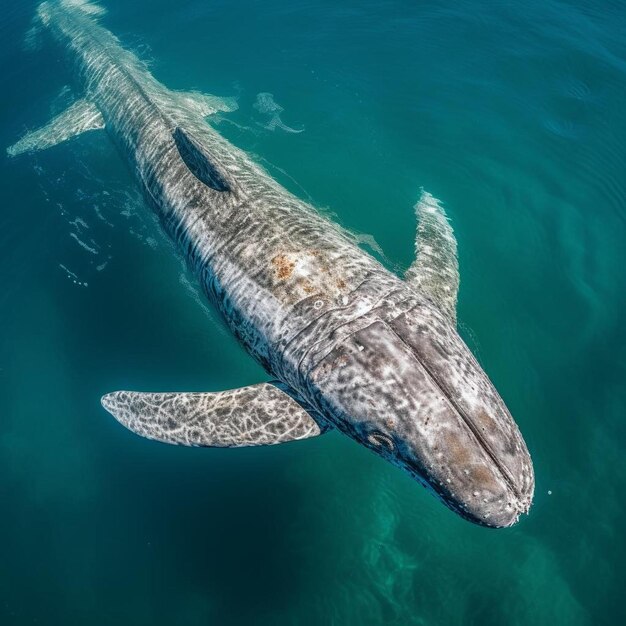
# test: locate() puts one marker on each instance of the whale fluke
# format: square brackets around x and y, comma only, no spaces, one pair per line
[435,271]
[257,415]
[78,118]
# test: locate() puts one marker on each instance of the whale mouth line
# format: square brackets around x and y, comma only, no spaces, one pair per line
[478,436]
[467,420]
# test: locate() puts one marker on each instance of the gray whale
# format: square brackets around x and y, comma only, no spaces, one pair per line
[348,344]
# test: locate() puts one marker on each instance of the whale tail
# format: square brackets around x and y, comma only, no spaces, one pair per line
[83,115]
[75,120]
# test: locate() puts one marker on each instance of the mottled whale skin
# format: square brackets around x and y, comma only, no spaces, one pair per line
[355,346]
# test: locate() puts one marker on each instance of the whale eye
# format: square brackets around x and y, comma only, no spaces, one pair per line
[381,441]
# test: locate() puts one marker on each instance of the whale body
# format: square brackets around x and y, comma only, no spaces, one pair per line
[348,344]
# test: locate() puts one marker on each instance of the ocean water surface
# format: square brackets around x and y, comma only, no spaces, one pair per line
[512,114]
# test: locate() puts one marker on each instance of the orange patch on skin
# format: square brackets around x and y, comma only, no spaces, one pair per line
[308,287]
[283,266]
[483,478]
[456,452]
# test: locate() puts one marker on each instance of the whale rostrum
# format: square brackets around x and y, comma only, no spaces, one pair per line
[347,343]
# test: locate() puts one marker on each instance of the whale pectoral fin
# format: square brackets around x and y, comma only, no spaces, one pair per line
[204,104]
[258,415]
[435,271]
[93,9]
[78,118]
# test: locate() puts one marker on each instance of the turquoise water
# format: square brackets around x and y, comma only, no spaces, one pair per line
[512,114]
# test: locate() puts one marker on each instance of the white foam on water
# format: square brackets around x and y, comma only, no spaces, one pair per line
[32,37]
[73,277]
[69,272]
[266,105]
[93,236]
[79,223]
[82,244]
[100,216]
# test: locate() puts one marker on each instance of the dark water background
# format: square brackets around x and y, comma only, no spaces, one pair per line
[512,114]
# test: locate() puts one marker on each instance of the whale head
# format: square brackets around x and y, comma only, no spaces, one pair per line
[410,390]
